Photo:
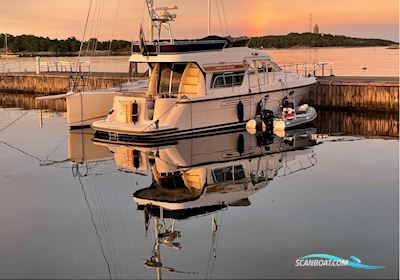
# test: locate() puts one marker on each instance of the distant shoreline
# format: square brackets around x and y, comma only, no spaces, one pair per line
[311,40]
[329,47]
[74,54]
[124,54]
[30,45]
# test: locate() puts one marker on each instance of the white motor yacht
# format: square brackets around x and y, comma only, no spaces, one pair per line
[191,92]
[197,86]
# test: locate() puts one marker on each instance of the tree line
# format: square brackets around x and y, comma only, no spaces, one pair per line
[33,44]
[314,40]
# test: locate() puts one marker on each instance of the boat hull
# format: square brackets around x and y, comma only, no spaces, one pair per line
[86,107]
[83,108]
[9,55]
[181,117]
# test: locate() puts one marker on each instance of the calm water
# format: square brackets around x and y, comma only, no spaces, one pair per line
[72,208]
[378,61]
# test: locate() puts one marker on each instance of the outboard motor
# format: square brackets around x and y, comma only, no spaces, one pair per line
[267,117]
[264,140]
[261,124]
[268,139]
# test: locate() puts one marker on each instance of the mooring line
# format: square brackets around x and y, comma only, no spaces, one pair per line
[41,161]
[95,227]
[19,150]
[14,121]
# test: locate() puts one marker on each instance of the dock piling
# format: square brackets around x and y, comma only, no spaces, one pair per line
[37,65]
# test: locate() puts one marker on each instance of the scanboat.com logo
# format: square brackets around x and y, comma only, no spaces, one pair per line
[320,260]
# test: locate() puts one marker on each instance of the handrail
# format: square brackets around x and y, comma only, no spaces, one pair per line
[7,67]
[310,69]
[49,66]
[65,66]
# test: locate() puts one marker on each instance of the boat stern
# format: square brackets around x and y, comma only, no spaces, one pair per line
[132,118]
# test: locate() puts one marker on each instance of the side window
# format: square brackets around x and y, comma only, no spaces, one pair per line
[227,79]
[239,172]
[223,174]
[229,174]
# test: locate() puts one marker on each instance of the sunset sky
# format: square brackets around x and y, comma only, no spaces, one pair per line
[65,18]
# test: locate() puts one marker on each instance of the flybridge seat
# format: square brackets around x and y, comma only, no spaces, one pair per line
[208,43]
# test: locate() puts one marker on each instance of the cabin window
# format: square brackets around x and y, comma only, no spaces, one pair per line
[227,79]
[229,174]
[170,77]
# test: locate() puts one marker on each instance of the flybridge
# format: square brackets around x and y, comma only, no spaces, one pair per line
[209,43]
[227,59]
[161,17]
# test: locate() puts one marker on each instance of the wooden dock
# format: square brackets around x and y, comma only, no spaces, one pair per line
[337,93]
[56,83]
[356,94]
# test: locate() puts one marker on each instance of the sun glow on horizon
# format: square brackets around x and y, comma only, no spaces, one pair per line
[357,18]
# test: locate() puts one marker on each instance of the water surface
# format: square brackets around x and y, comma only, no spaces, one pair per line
[67,209]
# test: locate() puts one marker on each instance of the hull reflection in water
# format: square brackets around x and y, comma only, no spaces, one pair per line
[205,176]
[81,148]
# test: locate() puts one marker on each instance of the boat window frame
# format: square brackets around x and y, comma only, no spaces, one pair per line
[237,173]
[171,85]
[224,75]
